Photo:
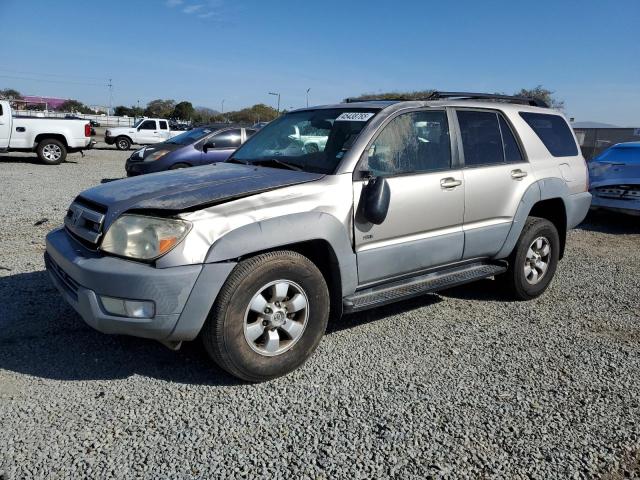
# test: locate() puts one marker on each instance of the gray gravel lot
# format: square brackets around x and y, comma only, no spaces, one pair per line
[461,384]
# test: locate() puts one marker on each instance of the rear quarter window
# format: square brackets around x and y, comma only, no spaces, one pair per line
[554,133]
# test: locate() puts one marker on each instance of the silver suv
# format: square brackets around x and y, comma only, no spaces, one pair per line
[395,199]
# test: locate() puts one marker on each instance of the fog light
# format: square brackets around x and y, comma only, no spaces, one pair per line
[128,308]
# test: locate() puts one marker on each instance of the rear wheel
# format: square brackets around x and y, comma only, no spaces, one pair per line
[534,259]
[269,316]
[51,151]
[123,143]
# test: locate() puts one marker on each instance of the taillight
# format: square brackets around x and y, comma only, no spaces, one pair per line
[587,182]
[87,130]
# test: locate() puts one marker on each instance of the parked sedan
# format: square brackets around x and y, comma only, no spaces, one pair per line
[200,146]
[615,179]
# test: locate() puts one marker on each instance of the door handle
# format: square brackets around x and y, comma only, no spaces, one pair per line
[450,182]
[518,174]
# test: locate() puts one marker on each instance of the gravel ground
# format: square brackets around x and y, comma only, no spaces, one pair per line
[460,384]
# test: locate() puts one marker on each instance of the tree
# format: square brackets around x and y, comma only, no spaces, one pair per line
[160,108]
[543,94]
[257,113]
[74,106]
[204,115]
[10,94]
[183,111]
[395,95]
[122,111]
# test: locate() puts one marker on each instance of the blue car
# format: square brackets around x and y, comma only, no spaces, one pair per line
[199,146]
[615,179]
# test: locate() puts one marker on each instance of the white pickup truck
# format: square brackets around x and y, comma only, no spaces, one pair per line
[51,138]
[145,131]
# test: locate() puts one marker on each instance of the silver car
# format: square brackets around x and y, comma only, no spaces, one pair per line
[254,255]
[615,179]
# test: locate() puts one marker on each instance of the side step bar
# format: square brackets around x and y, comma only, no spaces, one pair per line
[415,286]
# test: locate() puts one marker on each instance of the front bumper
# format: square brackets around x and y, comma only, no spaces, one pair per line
[182,295]
[109,140]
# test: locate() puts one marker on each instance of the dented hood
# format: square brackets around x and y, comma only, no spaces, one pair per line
[188,188]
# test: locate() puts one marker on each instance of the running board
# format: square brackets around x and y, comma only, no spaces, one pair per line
[415,286]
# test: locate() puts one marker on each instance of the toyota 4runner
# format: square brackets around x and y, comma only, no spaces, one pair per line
[399,199]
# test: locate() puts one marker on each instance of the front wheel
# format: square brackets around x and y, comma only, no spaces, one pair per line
[534,259]
[269,316]
[51,152]
[123,143]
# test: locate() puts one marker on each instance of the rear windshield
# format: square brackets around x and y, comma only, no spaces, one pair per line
[554,133]
[310,140]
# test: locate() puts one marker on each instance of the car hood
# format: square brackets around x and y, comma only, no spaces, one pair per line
[184,189]
[613,173]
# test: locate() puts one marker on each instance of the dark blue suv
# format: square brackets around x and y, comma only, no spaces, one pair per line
[199,146]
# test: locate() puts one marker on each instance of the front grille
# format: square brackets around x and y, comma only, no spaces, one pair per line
[69,284]
[620,192]
[84,222]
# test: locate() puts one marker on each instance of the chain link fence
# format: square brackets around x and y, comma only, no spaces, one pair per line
[593,141]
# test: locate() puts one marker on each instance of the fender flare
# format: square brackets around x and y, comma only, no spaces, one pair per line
[544,189]
[286,230]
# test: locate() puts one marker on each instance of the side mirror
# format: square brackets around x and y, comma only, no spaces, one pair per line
[375,200]
[208,145]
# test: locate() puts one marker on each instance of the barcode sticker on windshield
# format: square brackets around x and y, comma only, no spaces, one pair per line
[354,117]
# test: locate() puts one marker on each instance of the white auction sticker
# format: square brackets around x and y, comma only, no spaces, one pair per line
[354,117]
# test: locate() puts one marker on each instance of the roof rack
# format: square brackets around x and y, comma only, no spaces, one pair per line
[534,102]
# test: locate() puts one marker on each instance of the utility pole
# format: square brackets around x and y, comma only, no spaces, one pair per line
[308,90]
[222,112]
[277,95]
[110,97]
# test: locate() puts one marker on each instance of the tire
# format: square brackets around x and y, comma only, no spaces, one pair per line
[231,334]
[178,166]
[123,143]
[524,278]
[51,151]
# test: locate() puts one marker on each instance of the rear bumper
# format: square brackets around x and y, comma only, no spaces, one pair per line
[182,295]
[630,206]
[577,208]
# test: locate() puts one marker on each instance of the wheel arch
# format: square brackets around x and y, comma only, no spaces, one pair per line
[50,136]
[547,198]
[122,135]
[317,235]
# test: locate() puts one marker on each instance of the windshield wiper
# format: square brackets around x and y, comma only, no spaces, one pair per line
[288,165]
[235,160]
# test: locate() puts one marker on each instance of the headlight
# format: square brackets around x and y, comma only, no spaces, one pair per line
[156,155]
[144,238]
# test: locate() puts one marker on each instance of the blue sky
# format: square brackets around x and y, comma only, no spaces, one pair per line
[205,51]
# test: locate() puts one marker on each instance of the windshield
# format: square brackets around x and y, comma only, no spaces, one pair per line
[138,122]
[191,136]
[311,140]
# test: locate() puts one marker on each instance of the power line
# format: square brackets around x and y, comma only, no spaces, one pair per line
[15,77]
[48,74]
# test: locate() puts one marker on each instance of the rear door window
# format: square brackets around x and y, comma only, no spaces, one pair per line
[481,138]
[512,153]
[554,133]
[487,139]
